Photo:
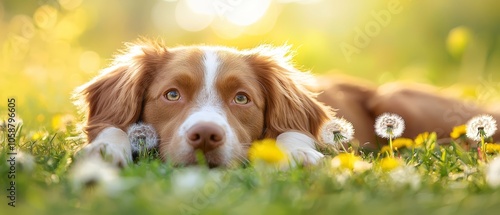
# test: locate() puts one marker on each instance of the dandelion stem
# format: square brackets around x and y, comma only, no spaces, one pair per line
[142,148]
[343,147]
[337,137]
[412,155]
[483,144]
[390,146]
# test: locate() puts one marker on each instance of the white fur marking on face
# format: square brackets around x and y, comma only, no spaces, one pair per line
[205,114]
[209,95]
[209,107]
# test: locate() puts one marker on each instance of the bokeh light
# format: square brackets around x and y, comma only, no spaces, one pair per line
[457,40]
[191,20]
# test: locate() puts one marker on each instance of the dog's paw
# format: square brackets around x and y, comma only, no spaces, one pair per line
[111,145]
[107,152]
[299,147]
[305,156]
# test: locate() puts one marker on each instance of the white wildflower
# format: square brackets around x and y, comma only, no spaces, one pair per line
[26,160]
[342,177]
[405,176]
[389,125]
[95,172]
[484,124]
[188,180]
[337,131]
[361,166]
[493,173]
[142,137]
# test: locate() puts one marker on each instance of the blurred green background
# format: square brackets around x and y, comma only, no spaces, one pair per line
[48,47]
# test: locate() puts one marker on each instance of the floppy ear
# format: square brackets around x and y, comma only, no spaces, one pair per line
[114,98]
[289,105]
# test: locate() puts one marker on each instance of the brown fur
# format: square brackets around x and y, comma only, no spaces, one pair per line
[289,105]
[424,108]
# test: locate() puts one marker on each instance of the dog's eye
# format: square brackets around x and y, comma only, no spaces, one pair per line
[241,99]
[172,95]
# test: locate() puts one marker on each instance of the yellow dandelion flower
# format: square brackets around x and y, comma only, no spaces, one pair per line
[397,144]
[57,122]
[424,139]
[345,161]
[400,143]
[492,148]
[38,135]
[458,131]
[385,149]
[61,122]
[389,163]
[266,151]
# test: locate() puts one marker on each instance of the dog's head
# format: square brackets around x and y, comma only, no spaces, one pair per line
[210,99]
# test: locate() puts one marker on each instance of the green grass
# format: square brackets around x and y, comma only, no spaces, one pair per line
[453,183]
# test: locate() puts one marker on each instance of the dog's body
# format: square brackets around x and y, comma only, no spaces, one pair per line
[424,108]
[219,100]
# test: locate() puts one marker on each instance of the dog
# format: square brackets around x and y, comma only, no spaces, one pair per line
[219,100]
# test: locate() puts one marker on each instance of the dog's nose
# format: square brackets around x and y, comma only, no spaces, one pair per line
[205,136]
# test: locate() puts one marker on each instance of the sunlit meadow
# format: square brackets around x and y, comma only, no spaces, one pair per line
[49,47]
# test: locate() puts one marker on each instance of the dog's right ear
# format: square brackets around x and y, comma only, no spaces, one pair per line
[114,98]
[290,106]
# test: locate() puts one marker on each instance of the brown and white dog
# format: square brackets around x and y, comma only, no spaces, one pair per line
[219,100]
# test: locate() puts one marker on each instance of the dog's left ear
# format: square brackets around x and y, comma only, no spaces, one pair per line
[114,98]
[289,105]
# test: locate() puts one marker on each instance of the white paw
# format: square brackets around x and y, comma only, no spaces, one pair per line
[305,156]
[111,145]
[299,147]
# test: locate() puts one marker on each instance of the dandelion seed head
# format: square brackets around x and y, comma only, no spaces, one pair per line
[142,137]
[406,175]
[481,123]
[389,125]
[26,160]
[337,131]
[185,181]
[92,172]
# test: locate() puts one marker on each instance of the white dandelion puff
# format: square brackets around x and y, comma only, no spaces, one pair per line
[142,137]
[185,181]
[361,166]
[26,160]
[94,172]
[406,176]
[389,125]
[481,125]
[337,131]
[493,173]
